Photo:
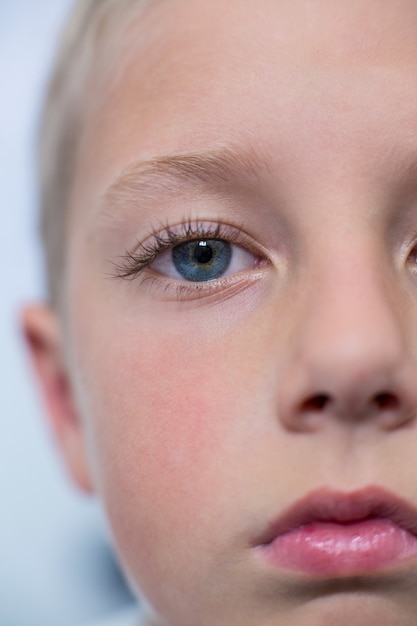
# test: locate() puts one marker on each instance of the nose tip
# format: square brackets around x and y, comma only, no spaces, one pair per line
[354,374]
[309,406]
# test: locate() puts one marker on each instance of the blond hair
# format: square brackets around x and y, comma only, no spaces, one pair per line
[90,23]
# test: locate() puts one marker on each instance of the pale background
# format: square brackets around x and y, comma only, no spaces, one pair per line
[56,568]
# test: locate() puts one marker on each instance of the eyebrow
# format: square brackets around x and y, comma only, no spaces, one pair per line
[170,173]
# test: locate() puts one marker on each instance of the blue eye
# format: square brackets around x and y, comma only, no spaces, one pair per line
[201,260]
[198,261]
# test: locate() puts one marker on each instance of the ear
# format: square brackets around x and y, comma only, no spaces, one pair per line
[42,336]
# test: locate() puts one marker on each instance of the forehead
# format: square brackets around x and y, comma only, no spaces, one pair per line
[192,73]
[320,26]
[178,36]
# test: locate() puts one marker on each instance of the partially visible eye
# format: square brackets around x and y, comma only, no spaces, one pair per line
[412,258]
[201,260]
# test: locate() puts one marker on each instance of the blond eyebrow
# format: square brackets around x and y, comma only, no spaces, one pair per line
[214,168]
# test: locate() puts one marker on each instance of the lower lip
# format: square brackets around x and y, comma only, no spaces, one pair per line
[334,549]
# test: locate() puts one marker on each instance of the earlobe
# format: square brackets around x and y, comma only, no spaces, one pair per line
[42,335]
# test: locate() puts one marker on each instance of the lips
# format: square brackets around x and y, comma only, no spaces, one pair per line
[334,533]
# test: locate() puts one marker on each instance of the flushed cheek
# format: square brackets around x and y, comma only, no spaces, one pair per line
[166,410]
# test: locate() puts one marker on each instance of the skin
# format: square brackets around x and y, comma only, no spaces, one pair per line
[194,413]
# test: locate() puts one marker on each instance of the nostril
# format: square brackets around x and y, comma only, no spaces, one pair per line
[386,401]
[316,403]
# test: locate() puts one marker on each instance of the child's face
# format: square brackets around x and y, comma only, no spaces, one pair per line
[287,132]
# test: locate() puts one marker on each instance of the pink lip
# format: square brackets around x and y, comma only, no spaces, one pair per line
[330,533]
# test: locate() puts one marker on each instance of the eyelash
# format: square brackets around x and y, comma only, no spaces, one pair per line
[133,263]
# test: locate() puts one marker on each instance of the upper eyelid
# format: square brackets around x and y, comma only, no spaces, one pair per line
[189,229]
[168,237]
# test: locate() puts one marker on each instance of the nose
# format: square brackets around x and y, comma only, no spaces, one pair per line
[349,359]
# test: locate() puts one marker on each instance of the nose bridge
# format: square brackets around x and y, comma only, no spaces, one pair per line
[351,318]
[349,354]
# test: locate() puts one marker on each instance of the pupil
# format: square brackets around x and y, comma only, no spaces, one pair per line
[203,253]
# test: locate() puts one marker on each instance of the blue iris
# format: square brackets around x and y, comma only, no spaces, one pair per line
[202,260]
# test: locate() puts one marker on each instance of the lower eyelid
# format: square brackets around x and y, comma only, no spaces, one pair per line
[164,289]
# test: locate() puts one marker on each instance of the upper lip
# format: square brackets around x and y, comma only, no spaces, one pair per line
[327,505]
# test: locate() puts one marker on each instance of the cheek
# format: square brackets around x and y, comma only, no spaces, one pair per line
[165,409]
[157,399]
